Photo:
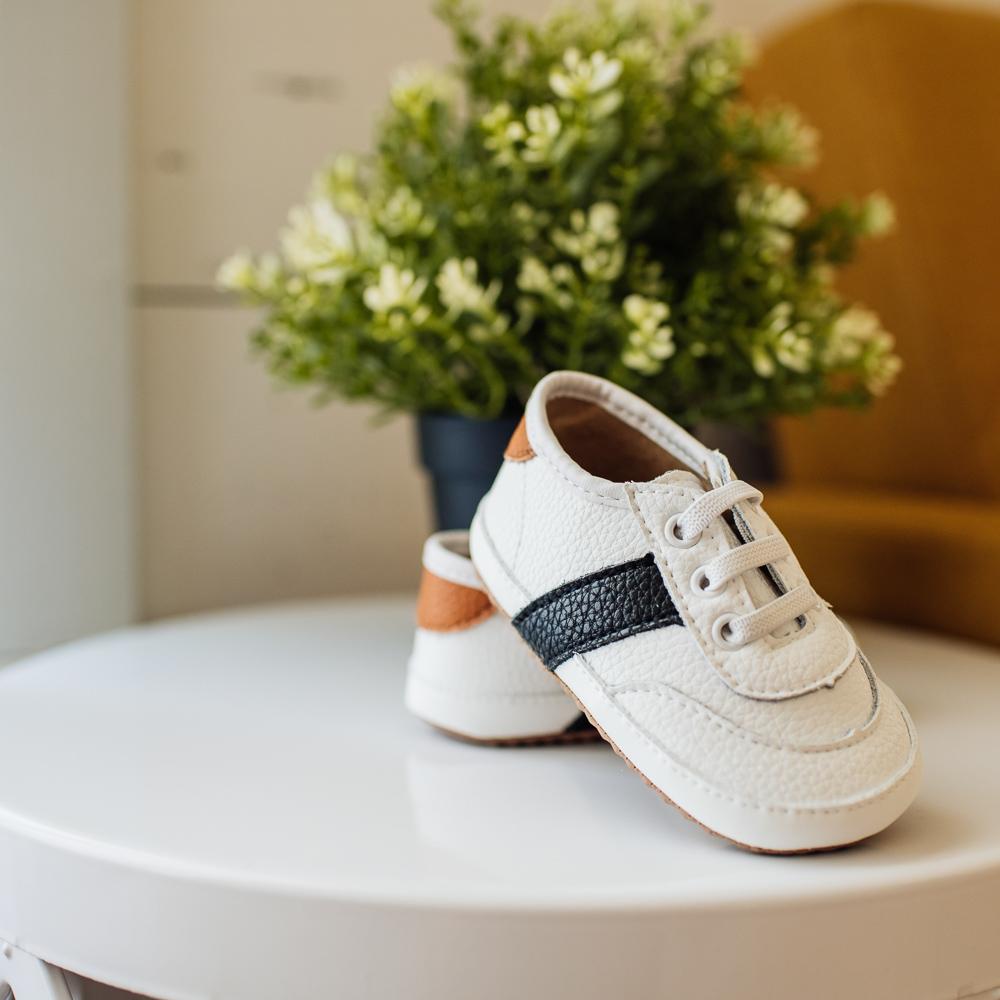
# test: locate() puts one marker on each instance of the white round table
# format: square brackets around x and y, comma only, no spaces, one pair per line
[237,806]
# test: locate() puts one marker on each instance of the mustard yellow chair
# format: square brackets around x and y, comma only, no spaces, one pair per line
[895,512]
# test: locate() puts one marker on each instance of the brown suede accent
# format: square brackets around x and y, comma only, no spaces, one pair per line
[519,447]
[444,606]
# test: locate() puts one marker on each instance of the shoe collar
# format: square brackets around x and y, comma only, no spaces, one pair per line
[711,467]
[446,555]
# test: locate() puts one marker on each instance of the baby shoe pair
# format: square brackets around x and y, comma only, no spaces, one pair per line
[619,572]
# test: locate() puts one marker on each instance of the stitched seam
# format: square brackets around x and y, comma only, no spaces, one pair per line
[607,639]
[522,517]
[858,736]
[593,495]
[501,563]
[658,433]
[759,807]
[636,419]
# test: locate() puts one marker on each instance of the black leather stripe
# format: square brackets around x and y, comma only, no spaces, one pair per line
[595,610]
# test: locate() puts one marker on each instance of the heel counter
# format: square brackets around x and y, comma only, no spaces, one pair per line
[445,606]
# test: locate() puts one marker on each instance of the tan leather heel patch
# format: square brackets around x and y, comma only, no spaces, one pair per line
[519,447]
[444,606]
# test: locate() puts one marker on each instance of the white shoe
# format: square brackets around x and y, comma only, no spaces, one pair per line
[651,582]
[470,673]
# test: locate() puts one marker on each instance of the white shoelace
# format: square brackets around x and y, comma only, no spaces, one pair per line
[739,630]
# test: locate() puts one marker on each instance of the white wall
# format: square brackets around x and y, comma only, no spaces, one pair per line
[67,544]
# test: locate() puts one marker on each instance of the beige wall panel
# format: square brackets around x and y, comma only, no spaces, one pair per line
[238,103]
[252,493]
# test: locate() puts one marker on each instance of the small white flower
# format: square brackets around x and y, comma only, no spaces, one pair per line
[460,290]
[850,334]
[647,314]
[785,137]
[588,230]
[415,88]
[395,289]
[878,216]
[534,277]
[503,133]
[340,184]
[581,77]
[602,221]
[784,340]
[882,367]
[684,15]
[543,127]
[268,272]
[761,360]
[604,263]
[773,204]
[403,213]
[716,70]
[237,272]
[786,206]
[857,337]
[562,274]
[794,350]
[317,241]
[593,239]
[651,340]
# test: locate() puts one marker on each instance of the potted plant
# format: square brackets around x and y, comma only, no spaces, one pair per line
[589,192]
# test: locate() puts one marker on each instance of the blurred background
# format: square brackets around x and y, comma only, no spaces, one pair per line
[150,468]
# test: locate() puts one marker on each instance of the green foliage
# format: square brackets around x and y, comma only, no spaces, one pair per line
[589,192]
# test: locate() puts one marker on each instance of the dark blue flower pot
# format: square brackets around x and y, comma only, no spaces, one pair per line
[750,449]
[462,457]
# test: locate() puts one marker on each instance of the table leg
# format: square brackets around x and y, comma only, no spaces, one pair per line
[26,977]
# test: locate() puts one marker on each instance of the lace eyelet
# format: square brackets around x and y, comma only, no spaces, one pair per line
[701,584]
[722,634]
[673,538]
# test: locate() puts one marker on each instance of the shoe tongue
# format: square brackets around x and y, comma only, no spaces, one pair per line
[716,472]
[682,477]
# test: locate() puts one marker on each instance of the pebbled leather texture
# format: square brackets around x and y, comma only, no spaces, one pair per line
[550,533]
[595,610]
[775,776]
[788,742]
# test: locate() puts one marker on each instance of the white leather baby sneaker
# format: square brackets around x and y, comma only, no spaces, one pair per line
[651,582]
[470,673]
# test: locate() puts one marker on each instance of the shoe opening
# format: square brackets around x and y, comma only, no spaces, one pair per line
[604,445]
